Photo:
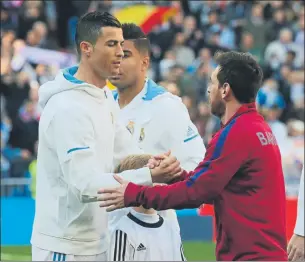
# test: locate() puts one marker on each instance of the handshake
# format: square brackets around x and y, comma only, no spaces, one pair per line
[164,168]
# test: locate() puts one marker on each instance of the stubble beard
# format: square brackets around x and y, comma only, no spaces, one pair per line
[218,109]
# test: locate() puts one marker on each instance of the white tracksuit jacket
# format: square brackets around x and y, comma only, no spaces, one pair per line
[79,145]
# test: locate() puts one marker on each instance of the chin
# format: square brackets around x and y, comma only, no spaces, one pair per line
[114,72]
[217,110]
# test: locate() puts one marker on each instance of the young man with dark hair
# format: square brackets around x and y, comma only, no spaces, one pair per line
[79,143]
[157,120]
[241,174]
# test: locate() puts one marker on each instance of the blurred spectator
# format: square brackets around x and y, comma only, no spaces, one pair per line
[299,30]
[293,156]
[45,41]
[204,56]
[184,54]
[276,51]
[247,45]
[196,84]
[206,123]
[236,13]
[278,128]
[212,26]
[275,25]
[17,91]
[167,62]
[269,95]
[7,21]
[170,87]
[24,133]
[32,11]
[256,26]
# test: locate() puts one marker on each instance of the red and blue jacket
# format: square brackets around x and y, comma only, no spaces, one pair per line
[241,175]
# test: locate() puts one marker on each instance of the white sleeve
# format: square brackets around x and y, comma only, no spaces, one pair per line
[299,226]
[120,248]
[74,139]
[181,135]
[123,144]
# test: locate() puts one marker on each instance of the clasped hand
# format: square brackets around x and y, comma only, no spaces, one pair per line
[164,168]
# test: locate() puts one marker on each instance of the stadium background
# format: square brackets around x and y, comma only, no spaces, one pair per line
[37,40]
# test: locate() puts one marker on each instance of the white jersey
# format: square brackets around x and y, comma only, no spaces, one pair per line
[79,144]
[142,237]
[158,122]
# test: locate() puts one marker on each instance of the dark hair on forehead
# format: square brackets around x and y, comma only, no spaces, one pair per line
[242,72]
[90,24]
[134,33]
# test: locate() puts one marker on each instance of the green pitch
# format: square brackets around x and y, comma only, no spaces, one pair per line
[194,251]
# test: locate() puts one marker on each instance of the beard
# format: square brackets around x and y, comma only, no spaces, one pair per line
[218,108]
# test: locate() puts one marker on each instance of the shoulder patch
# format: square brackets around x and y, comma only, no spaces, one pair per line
[191,133]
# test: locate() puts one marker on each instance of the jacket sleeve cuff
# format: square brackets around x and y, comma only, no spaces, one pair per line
[131,193]
[140,176]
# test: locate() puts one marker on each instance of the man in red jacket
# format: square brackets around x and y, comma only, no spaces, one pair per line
[241,173]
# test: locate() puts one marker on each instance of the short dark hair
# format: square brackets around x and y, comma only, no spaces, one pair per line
[242,72]
[89,26]
[134,33]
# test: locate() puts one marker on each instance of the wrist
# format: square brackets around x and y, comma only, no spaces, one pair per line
[130,195]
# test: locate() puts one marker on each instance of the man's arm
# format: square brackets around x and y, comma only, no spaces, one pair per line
[181,135]
[75,143]
[204,184]
[299,226]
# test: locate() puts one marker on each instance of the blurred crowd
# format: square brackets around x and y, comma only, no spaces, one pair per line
[37,41]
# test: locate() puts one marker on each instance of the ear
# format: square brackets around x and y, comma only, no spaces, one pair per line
[226,90]
[86,48]
[145,63]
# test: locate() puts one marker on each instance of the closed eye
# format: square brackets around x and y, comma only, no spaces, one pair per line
[112,43]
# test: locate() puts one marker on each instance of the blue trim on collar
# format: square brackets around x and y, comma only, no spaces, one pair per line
[115,94]
[69,75]
[153,90]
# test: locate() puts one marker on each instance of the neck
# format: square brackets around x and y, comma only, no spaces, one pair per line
[231,109]
[88,75]
[126,95]
[142,210]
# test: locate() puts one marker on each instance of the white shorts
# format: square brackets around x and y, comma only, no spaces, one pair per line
[46,255]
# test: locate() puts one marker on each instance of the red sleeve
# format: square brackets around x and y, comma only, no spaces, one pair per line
[223,159]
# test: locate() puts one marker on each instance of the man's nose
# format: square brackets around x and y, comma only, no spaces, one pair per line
[120,52]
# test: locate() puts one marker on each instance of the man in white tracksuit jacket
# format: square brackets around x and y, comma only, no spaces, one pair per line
[79,145]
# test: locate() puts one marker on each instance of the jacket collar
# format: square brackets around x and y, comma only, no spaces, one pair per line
[150,91]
